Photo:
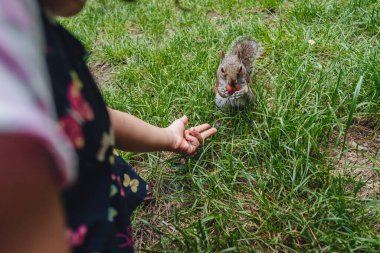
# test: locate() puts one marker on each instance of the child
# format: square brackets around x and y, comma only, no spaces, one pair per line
[97,205]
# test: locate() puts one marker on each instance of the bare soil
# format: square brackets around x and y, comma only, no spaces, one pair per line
[361,157]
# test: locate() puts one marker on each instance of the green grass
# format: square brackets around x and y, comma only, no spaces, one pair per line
[263,183]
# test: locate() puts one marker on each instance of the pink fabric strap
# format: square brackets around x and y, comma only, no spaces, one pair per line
[26,103]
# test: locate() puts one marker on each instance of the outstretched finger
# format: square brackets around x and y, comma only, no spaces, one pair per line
[202,127]
[208,133]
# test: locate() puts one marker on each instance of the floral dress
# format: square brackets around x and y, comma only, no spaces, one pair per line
[100,203]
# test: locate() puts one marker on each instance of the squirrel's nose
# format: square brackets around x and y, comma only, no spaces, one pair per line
[233,82]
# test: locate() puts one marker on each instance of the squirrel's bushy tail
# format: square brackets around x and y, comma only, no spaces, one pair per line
[247,49]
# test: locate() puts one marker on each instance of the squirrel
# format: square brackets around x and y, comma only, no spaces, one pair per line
[234,74]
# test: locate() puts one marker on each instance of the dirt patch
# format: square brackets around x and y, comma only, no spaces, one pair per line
[134,30]
[216,19]
[154,219]
[169,30]
[103,73]
[361,158]
[214,15]
[266,14]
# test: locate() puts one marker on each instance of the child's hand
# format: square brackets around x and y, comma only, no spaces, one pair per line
[188,141]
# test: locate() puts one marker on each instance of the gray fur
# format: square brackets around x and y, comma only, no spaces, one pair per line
[247,50]
[235,70]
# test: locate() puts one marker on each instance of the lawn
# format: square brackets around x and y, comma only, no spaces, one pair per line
[298,170]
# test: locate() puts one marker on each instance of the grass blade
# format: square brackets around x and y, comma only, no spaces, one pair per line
[352,110]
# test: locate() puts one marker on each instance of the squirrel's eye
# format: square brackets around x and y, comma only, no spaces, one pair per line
[222,69]
[241,68]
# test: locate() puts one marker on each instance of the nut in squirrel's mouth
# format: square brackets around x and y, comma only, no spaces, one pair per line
[231,89]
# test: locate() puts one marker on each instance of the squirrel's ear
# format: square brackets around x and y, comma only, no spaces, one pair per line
[222,54]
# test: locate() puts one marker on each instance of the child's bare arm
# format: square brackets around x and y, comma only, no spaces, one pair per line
[133,134]
[31,215]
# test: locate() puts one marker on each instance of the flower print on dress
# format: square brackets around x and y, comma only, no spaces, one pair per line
[77,237]
[114,190]
[118,181]
[73,131]
[112,212]
[133,183]
[77,101]
[79,112]
[107,142]
[128,241]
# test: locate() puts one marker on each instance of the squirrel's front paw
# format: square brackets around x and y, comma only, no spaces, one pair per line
[239,93]
[223,92]
[244,90]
